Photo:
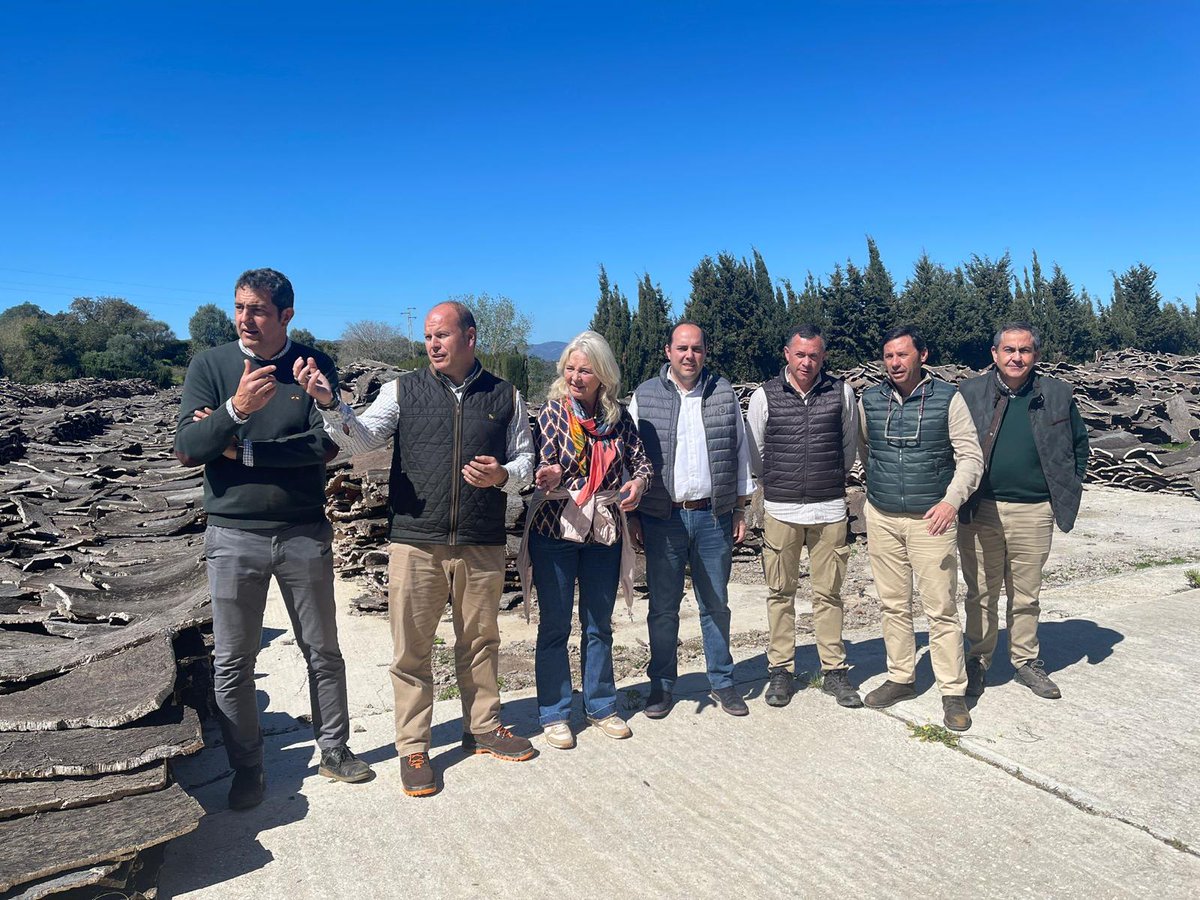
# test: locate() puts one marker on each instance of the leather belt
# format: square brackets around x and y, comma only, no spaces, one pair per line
[693,504]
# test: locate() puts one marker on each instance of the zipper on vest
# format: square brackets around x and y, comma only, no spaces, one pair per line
[456,470]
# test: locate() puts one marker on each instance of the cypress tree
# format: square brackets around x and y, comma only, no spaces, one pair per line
[649,333]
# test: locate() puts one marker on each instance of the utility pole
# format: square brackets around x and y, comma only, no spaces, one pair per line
[409,313]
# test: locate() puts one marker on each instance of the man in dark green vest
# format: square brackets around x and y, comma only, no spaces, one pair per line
[262,445]
[461,444]
[923,462]
[1035,450]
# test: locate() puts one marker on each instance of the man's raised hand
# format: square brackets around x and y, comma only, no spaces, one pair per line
[312,380]
[255,390]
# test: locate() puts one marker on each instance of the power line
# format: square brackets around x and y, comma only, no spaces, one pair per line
[153,287]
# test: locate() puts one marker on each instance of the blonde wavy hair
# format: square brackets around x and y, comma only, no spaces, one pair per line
[604,364]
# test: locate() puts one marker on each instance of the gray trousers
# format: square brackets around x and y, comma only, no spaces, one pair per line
[240,565]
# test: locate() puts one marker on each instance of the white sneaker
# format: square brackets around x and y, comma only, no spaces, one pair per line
[558,735]
[613,726]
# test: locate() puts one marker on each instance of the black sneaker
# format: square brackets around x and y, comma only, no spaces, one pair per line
[976,677]
[249,785]
[659,704]
[340,764]
[780,688]
[1034,677]
[731,701]
[416,775]
[837,684]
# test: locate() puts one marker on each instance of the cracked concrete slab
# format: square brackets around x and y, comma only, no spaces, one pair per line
[808,800]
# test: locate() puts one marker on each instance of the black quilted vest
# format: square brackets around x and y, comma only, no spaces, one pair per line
[803,456]
[436,436]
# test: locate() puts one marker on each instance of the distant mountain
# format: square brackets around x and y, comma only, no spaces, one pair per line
[548,350]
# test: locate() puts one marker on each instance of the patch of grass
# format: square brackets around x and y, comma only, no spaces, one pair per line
[1177,844]
[500,685]
[934,734]
[449,692]
[439,642]
[815,680]
[1174,445]
[1193,577]
[633,698]
[1154,563]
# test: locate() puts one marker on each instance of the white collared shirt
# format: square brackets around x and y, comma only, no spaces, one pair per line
[692,476]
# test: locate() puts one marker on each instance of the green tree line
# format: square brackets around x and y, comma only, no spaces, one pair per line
[747,314]
[98,337]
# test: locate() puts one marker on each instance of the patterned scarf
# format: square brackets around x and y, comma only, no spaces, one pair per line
[604,450]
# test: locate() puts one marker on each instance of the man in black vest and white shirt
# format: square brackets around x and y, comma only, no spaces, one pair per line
[804,434]
[462,442]
[693,512]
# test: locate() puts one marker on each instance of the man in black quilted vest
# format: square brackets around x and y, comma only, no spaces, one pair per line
[804,434]
[1035,450]
[692,513]
[461,443]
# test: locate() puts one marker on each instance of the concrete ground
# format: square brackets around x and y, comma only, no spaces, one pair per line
[1095,795]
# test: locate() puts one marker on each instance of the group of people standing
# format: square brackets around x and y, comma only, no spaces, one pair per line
[979,472]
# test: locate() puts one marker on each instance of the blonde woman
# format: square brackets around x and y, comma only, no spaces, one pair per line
[576,533]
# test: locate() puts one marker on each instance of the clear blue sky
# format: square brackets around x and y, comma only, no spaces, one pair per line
[387,157]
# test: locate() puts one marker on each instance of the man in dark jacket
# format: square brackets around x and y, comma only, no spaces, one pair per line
[1035,450]
[461,443]
[693,512]
[262,446]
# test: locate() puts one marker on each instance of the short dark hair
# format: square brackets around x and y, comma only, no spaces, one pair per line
[270,282]
[908,331]
[466,318]
[680,324]
[805,331]
[1017,326]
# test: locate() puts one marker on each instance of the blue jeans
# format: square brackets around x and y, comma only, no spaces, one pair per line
[557,565]
[698,537]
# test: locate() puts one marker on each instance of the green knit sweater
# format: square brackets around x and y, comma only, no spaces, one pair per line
[286,483]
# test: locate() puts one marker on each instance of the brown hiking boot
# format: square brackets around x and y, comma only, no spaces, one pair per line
[956,716]
[416,775]
[500,743]
[888,693]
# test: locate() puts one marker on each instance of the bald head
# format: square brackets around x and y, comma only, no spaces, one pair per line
[450,340]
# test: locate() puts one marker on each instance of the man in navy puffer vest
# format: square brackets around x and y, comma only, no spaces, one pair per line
[691,426]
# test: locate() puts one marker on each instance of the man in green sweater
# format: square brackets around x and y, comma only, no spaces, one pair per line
[260,440]
[1035,450]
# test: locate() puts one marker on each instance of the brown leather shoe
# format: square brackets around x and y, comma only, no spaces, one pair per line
[888,693]
[416,775]
[500,743]
[956,716]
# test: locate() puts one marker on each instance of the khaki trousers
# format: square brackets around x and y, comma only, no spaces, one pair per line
[1005,544]
[827,557]
[421,577]
[900,548]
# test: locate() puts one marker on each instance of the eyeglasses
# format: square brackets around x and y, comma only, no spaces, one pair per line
[904,440]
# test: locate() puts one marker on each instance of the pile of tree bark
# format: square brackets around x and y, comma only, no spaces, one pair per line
[103,656]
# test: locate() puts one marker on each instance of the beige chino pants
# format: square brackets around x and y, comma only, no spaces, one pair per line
[420,579]
[1006,544]
[901,549]
[827,557]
